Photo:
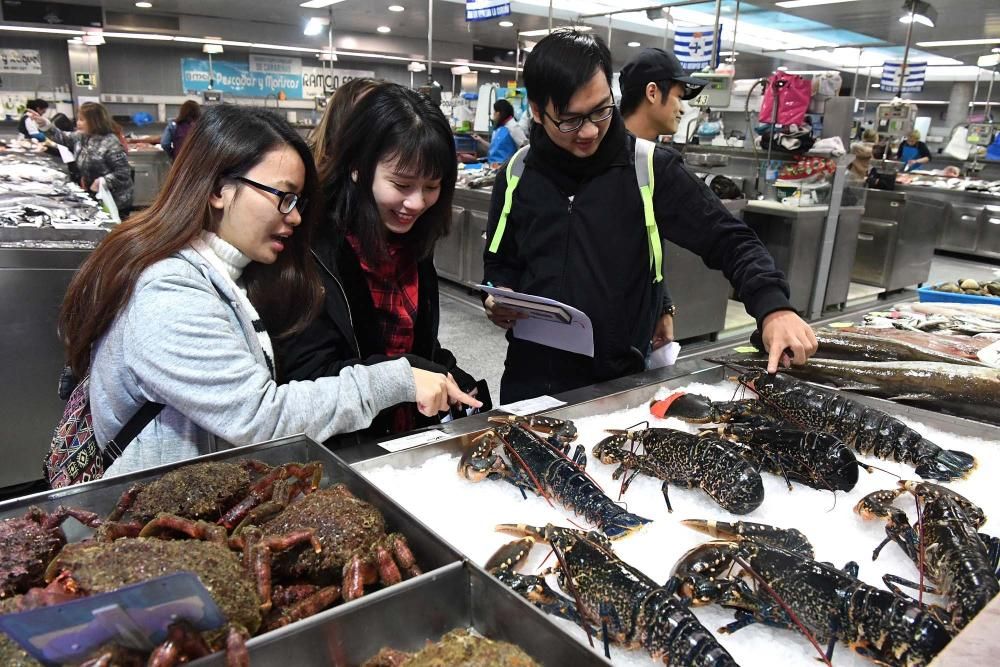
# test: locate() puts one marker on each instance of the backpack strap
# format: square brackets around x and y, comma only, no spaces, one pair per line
[644,175]
[132,428]
[515,167]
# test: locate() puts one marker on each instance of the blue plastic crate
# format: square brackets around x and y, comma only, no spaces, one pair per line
[927,294]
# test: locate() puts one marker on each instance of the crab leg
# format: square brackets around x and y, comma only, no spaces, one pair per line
[313,604]
[261,559]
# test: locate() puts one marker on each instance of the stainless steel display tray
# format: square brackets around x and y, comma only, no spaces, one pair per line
[407,615]
[102,495]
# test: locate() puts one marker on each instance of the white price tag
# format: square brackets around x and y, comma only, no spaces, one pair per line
[413,440]
[530,406]
[990,355]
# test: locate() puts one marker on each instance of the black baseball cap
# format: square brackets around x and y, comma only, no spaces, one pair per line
[658,65]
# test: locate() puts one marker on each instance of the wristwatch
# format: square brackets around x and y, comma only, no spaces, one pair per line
[670,310]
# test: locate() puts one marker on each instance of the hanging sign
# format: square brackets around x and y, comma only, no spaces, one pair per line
[275,65]
[323,82]
[239,80]
[893,80]
[484,10]
[20,61]
[693,46]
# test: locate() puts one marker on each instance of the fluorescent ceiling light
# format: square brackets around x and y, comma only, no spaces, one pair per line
[315,25]
[144,5]
[545,31]
[506,24]
[634,44]
[396,8]
[876,85]
[327,56]
[461,69]
[50,31]
[959,42]
[494,71]
[93,38]
[212,48]
[383,29]
[794,4]
[139,35]
[279,47]
[316,4]
[416,67]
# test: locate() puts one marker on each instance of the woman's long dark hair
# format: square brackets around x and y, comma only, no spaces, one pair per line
[390,123]
[339,108]
[225,143]
[190,111]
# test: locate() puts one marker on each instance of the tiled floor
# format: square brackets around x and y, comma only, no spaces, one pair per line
[480,346]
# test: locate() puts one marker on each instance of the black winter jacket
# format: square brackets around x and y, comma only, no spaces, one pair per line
[346,333]
[591,251]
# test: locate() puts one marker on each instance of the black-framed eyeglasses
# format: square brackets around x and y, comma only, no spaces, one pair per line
[576,122]
[286,200]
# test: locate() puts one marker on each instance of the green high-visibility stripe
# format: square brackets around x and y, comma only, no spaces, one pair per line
[652,233]
[508,200]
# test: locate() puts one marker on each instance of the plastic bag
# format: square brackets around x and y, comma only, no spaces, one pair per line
[107,201]
[793,94]
[958,146]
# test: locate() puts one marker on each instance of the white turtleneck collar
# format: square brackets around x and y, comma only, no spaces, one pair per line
[233,260]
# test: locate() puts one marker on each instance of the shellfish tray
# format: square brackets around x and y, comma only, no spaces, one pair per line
[425,480]
[408,615]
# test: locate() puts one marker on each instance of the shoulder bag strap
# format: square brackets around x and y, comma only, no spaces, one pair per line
[116,446]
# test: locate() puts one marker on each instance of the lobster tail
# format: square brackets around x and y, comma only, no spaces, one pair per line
[670,632]
[617,523]
[945,465]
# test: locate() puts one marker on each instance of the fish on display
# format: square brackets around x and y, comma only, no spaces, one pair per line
[849,346]
[964,391]
[956,346]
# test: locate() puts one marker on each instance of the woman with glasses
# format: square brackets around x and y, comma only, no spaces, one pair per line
[389,177]
[181,304]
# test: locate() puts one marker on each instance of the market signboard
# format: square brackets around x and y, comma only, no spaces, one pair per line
[323,82]
[239,80]
[484,10]
[20,61]
[275,65]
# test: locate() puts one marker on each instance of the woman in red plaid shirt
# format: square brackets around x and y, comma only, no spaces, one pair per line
[389,177]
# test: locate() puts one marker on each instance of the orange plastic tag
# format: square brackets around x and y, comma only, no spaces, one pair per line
[659,408]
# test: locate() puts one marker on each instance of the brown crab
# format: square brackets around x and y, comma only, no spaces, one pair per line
[356,549]
[243,594]
[215,490]
[29,543]
[458,647]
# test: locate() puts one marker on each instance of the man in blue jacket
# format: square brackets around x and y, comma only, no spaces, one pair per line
[580,228]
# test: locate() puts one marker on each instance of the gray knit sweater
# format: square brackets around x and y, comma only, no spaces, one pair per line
[183,341]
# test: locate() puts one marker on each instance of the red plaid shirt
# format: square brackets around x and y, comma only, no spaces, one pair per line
[393,284]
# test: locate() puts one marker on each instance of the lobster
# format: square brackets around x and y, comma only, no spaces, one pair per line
[542,466]
[779,584]
[960,560]
[631,609]
[686,460]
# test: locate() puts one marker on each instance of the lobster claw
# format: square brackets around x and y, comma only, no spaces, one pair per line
[478,461]
[510,555]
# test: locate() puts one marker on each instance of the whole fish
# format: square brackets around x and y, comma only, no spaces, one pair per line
[837,344]
[964,391]
[956,346]
[955,309]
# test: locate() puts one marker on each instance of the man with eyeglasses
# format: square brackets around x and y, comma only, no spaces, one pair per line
[574,218]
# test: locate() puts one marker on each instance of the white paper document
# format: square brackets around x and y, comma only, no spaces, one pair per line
[413,440]
[549,322]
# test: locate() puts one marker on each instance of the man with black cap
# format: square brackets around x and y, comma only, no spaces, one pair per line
[654,87]
[579,215]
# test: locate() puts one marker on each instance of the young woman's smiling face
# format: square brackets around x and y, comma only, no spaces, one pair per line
[402,198]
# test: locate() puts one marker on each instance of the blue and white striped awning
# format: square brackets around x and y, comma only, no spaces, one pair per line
[892,77]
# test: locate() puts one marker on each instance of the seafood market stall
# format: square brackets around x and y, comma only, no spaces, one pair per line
[424,478]
[896,238]
[971,221]
[48,226]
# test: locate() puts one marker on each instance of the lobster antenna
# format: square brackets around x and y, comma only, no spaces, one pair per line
[571,585]
[788,610]
[920,549]
[875,467]
[538,485]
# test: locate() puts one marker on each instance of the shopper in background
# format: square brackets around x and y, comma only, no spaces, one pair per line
[654,87]
[507,137]
[913,153]
[179,304]
[578,231]
[98,151]
[27,126]
[177,130]
[389,181]
[338,108]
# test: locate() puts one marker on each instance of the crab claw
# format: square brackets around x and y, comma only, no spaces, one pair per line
[692,408]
